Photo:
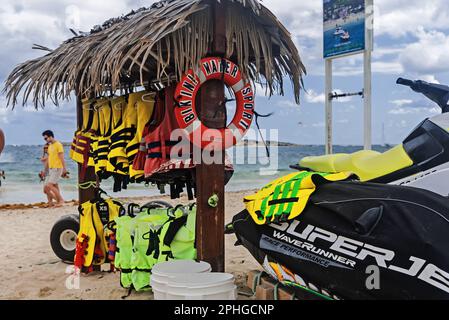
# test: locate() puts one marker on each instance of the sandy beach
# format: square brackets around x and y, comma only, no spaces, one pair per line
[30,270]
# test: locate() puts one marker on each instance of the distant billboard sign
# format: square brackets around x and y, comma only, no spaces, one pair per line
[344,27]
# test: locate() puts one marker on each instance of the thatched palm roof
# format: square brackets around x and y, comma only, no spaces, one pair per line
[159,43]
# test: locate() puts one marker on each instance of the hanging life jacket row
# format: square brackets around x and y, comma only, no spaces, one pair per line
[153,235]
[110,136]
[129,138]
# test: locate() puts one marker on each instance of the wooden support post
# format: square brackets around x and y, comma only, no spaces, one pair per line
[84,194]
[210,178]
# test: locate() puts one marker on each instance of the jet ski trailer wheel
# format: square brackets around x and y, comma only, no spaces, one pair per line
[63,237]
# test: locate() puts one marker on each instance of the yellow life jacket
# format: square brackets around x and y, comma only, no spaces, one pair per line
[145,109]
[109,210]
[81,149]
[285,198]
[90,248]
[117,159]
[92,241]
[101,148]
[74,154]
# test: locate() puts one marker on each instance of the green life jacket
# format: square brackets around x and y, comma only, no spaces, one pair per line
[153,236]
[125,226]
[286,198]
[146,246]
[177,236]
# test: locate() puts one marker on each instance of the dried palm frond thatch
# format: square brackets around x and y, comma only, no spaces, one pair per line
[157,43]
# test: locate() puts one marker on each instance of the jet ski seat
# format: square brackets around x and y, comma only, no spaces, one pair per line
[367,165]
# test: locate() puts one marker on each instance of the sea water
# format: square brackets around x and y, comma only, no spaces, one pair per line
[22,166]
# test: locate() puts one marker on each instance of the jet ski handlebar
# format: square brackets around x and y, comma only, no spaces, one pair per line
[436,92]
[404,82]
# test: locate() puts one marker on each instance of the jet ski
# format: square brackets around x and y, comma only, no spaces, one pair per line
[355,241]
[421,161]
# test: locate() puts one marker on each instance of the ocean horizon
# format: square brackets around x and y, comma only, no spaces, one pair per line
[22,165]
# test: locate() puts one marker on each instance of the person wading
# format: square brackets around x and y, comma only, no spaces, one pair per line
[56,169]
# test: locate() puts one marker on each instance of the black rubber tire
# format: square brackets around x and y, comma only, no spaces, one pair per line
[157,204]
[68,222]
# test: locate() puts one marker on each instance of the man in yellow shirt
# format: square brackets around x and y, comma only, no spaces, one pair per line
[56,169]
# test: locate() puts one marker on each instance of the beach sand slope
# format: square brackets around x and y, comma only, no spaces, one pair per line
[30,270]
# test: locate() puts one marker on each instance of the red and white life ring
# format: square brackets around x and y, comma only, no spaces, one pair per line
[2,140]
[214,69]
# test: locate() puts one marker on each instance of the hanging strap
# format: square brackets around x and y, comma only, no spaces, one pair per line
[189,188]
[90,120]
[170,234]
[111,117]
[258,128]
[153,243]
[173,229]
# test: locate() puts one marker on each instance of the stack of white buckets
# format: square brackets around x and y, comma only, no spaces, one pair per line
[190,280]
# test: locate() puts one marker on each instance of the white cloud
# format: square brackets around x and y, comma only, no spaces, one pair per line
[382,52]
[398,18]
[313,97]
[411,107]
[261,91]
[318,125]
[428,55]
[429,78]
[401,102]
[289,104]
[45,22]
[404,111]
[387,67]
[3,115]
[304,18]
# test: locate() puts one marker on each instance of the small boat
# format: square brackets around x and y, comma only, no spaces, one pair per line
[339,31]
[346,36]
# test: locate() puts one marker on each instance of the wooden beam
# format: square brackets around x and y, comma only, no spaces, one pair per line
[210,178]
[89,175]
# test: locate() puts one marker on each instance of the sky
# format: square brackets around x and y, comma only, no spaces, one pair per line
[411,40]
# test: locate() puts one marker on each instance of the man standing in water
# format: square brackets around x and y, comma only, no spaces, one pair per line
[56,169]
